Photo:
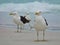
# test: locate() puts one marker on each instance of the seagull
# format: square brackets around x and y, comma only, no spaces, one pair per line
[40,24]
[20,20]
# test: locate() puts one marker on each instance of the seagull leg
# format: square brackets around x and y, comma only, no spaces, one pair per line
[17,28]
[21,27]
[43,34]
[30,26]
[37,36]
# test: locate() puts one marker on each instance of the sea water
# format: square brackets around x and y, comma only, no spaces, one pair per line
[50,10]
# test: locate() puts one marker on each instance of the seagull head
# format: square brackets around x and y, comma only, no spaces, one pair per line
[27,16]
[37,12]
[13,13]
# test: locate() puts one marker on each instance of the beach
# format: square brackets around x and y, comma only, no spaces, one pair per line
[50,11]
[9,36]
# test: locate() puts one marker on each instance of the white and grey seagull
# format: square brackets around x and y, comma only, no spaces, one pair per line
[20,20]
[40,24]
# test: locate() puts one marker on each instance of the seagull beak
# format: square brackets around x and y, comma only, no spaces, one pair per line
[10,13]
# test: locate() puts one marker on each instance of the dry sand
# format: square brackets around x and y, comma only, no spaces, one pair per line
[9,36]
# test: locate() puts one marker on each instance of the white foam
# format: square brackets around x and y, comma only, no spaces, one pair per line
[31,7]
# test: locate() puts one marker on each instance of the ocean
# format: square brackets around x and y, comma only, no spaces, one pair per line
[25,1]
[50,10]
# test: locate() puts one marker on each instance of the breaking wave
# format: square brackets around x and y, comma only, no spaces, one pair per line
[31,7]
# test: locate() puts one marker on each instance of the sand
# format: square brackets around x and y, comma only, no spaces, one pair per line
[9,36]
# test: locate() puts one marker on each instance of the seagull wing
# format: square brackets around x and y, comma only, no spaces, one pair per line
[46,21]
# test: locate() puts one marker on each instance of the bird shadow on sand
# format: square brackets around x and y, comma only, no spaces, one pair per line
[23,32]
[32,40]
